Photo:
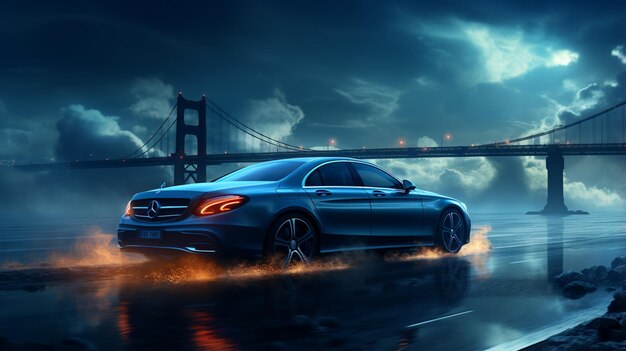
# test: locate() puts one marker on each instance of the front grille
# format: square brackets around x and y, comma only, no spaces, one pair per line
[158,210]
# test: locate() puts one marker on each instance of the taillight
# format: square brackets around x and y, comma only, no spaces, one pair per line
[219,204]
[129,209]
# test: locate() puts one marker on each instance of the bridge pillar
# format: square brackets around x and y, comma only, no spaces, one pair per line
[184,168]
[555,164]
[555,205]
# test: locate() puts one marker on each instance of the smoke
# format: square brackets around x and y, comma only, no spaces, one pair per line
[478,246]
[97,249]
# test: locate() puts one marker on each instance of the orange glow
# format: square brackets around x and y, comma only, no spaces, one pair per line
[205,335]
[123,321]
[220,204]
[479,245]
[129,210]
[401,142]
[448,136]
[194,269]
[332,141]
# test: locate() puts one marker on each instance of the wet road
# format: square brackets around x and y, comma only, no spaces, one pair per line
[501,298]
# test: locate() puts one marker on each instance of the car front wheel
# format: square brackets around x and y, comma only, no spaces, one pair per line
[451,232]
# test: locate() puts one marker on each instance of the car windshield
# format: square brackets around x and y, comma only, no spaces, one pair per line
[269,171]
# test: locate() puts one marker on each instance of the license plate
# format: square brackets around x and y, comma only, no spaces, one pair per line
[150,234]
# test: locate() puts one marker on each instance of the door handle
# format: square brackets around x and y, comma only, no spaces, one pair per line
[322,193]
[378,193]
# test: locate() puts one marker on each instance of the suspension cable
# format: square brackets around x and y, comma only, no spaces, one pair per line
[153,135]
[243,125]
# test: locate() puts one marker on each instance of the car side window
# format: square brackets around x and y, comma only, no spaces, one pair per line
[375,178]
[332,174]
[314,179]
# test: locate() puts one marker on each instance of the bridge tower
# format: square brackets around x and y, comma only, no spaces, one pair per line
[555,205]
[184,168]
[555,164]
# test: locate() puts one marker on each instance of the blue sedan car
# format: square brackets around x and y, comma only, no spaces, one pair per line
[293,210]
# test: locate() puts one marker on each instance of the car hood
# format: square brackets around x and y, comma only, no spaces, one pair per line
[199,189]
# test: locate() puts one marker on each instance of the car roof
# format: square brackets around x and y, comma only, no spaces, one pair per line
[315,159]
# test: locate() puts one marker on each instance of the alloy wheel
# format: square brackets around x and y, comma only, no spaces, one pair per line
[452,229]
[294,241]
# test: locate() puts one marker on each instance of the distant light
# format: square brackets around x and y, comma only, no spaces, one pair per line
[401,142]
[448,136]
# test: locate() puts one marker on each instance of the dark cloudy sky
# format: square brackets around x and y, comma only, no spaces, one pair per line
[94,79]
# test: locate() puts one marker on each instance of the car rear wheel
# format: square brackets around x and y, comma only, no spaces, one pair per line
[451,232]
[292,239]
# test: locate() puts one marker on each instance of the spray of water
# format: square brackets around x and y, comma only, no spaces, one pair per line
[478,246]
[193,269]
[97,249]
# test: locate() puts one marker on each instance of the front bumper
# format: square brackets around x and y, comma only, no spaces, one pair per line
[193,236]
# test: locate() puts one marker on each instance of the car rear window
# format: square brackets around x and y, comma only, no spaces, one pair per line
[332,174]
[269,171]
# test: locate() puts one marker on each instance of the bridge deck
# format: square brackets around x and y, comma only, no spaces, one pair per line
[388,153]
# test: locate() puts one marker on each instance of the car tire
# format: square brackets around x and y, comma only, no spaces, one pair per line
[291,239]
[451,231]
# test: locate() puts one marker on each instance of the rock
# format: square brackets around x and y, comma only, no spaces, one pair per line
[616,335]
[622,271]
[618,261]
[595,273]
[567,277]
[577,289]
[614,276]
[619,302]
[604,323]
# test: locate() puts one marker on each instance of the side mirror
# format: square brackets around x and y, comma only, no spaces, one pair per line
[408,186]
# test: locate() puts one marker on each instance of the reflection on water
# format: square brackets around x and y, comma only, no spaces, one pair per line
[496,294]
[300,311]
[554,226]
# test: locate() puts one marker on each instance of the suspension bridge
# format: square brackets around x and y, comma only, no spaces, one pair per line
[199,142]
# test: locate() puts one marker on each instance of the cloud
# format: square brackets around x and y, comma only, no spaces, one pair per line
[562,58]
[505,52]
[591,196]
[381,101]
[153,98]
[618,52]
[464,175]
[274,116]
[576,193]
[89,134]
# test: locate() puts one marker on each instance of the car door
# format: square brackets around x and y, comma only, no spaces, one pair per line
[343,206]
[396,215]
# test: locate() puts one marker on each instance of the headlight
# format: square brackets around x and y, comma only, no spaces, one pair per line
[129,209]
[219,204]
